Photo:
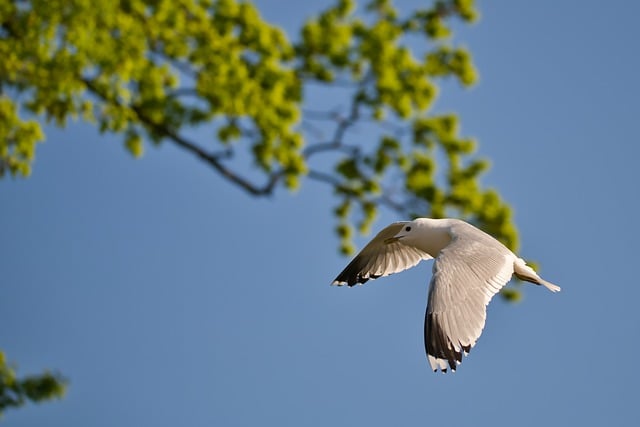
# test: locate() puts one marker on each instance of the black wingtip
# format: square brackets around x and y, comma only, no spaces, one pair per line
[350,281]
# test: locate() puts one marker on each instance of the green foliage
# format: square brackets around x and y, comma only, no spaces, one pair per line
[511,294]
[16,392]
[151,70]
[17,140]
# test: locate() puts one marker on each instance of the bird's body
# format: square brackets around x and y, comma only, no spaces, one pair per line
[470,268]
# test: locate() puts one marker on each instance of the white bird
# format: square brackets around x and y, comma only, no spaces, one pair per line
[470,268]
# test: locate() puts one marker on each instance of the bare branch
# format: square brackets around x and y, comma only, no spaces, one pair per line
[330,146]
[324,177]
[342,83]
[347,122]
[384,199]
[184,91]
[343,124]
[390,203]
[310,127]
[321,115]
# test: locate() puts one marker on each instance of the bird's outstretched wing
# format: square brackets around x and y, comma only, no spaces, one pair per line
[379,258]
[467,273]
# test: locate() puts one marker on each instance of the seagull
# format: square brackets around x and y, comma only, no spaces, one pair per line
[470,267]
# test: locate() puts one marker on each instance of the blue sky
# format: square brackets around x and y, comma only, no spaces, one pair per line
[168,297]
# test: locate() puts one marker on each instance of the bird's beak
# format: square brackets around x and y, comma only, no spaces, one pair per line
[392,240]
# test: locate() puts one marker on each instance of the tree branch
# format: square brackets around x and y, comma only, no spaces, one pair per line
[216,160]
[183,91]
[321,115]
[324,177]
[383,199]
[212,159]
[344,123]
[329,146]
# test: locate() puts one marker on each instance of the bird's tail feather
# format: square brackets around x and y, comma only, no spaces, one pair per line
[549,285]
[524,272]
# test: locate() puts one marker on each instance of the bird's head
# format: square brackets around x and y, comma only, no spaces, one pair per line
[406,233]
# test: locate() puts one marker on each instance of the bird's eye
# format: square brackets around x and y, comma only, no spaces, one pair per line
[407,228]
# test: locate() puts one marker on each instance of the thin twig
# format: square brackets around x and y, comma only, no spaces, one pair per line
[321,115]
[330,146]
[183,91]
[324,177]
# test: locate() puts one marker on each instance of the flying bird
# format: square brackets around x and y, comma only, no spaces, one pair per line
[470,268]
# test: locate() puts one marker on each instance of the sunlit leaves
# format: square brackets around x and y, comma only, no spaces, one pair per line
[134,144]
[511,294]
[447,61]
[433,21]
[17,140]
[15,392]
[142,64]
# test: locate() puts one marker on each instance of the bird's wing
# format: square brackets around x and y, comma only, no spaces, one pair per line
[379,258]
[466,275]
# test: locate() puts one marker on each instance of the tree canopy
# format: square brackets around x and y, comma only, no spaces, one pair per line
[154,71]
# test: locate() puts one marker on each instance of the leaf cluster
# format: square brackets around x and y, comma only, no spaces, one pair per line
[418,164]
[15,392]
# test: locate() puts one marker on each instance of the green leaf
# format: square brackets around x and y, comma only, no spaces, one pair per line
[511,294]
[16,392]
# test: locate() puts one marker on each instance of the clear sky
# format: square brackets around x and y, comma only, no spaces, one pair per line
[169,298]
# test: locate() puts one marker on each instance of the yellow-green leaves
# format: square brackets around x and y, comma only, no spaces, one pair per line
[15,392]
[433,21]
[154,67]
[17,140]
[447,61]
[511,294]
[133,143]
